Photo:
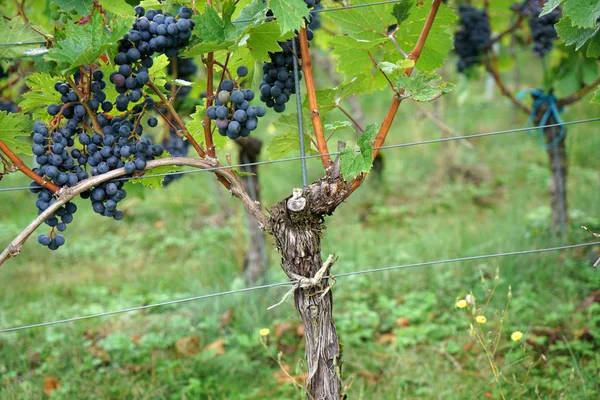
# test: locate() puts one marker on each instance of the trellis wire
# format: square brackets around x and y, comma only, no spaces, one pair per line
[299,114]
[271,285]
[391,146]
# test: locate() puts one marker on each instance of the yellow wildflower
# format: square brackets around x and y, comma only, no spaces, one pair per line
[516,336]
[264,332]
[481,319]
[461,303]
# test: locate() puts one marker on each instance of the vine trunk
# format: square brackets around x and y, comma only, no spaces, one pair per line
[297,225]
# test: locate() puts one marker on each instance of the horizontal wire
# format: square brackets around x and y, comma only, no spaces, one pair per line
[345,274]
[23,43]
[477,135]
[391,146]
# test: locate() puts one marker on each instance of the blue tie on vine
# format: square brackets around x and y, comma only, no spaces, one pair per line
[540,98]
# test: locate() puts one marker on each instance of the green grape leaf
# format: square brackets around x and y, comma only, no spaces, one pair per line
[583,13]
[550,6]
[593,50]
[284,143]
[40,95]
[354,162]
[156,4]
[439,41]
[372,25]
[402,10]
[423,86]
[338,126]
[289,14]
[353,54]
[250,14]
[396,68]
[16,31]
[117,7]
[195,127]
[263,39]
[211,33]
[159,67]
[84,43]
[156,181]
[596,98]
[83,7]
[573,35]
[287,139]
[15,130]
[328,99]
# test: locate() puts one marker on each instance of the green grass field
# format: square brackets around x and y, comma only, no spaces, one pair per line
[403,336]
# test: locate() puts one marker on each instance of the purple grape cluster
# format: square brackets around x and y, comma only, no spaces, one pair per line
[61,162]
[232,112]
[542,28]
[277,85]
[472,38]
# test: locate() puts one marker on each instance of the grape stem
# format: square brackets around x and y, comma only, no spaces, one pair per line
[510,29]
[210,146]
[174,77]
[68,193]
[347,114]
[380,70]
[312,102]
[414,55]
[85,105]
[505,91]
[177,118]
[18,163]
[224,68]
[578,95]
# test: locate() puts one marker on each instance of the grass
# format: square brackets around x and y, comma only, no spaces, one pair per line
[402,335]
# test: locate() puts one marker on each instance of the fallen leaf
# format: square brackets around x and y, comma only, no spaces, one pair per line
[402,322]
[370,377]
[225,319]
[50,384]
[217,347]
[283,378]
[99,353]
[591,299]
[300,330]
[387,338]
[488,395]
[287,349]
[584,334]
[281,329]
[187,346]
[34,359]
[136,339]
[159,224]
[467,347]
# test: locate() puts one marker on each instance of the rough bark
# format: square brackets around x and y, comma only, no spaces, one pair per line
[557,157]
[297,225]
[255,264]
